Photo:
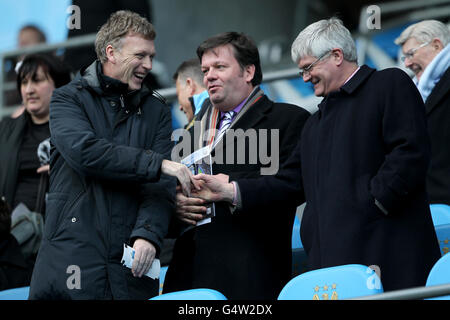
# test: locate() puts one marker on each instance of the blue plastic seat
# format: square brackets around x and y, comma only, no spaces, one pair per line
[440,274]
[162,276]
[15,294]
[340,282]
[296,241]
[443,235]
[193,294]
[440,214]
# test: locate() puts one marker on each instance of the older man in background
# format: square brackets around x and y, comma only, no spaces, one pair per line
[427,53]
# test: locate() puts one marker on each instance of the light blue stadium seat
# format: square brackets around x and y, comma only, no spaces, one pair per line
[440,214]
[296,241]
[443,235]
[15,294]
[440,274]
[193,294]
[162,276]
[299,259]
[340,282]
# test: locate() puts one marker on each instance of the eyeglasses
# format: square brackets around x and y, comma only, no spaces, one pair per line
[305,71]
[411,52]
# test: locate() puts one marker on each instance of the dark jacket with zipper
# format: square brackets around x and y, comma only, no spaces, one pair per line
[106,188]
[12,132]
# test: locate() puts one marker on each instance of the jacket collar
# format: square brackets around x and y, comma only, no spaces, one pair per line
[438,92]
[363,73]
[92,78]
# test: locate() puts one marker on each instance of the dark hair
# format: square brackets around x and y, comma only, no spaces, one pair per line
[51,65]
[190,68]
[245,51]
[5,218]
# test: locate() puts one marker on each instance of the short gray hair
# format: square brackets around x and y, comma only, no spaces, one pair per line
[119,25]
[425,31]
[323,36]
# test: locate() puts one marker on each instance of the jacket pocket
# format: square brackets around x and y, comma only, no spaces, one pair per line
[59,207]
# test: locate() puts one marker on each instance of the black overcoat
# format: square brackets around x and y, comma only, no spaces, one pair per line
[437,108]
[106,190]
[245,255]
[367,141]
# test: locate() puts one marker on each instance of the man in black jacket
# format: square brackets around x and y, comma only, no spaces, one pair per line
[361,165]
[109,182]
[245,255]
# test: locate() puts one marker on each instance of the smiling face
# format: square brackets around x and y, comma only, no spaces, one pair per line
[132,61]
[227,83]
[421,56]
[320,75]
[36,91]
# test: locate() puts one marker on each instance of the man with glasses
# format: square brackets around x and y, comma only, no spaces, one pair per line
[360,165]
[427,54]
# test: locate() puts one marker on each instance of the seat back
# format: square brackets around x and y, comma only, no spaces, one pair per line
[440,274]
[192,294]
[15,294]
[296,241]
[340,282]
[162,276]
[440,214]
[443,235]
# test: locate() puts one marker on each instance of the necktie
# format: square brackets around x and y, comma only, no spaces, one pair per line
[226,122]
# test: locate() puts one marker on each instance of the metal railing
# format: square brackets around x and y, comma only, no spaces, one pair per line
[417,293]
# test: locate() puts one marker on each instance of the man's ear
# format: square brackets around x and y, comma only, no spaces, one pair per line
[249,72]
[437,44]
[110,54]
[191,85]
[338,56]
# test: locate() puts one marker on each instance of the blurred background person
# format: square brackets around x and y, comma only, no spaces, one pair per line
[427,53]
[191,92]
[25,140]
[29,35]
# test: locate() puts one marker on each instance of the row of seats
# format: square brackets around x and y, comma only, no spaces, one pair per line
[325,289]
[335,283]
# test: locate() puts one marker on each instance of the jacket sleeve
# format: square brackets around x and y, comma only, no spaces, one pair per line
[407,145]
[75,138]
[276,190]
[157,198]
[285,187]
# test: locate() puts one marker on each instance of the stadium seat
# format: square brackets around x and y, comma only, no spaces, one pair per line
[15,294]
[440,274]
[340,282]
[296,241]
[443,235]
[440,214]
[193,294]
[299,262]
[162,276]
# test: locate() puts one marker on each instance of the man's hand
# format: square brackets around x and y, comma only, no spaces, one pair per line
[214,188]
[143,257]
[45,168]
[189,210]
[182,173]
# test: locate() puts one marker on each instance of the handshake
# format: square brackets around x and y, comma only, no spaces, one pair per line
[195,192]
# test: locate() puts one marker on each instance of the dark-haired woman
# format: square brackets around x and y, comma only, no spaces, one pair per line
[24,141]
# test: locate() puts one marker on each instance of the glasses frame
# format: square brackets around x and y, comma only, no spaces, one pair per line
[410,53]
[305,71]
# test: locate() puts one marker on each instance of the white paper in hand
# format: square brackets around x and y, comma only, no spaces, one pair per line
[128,257]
